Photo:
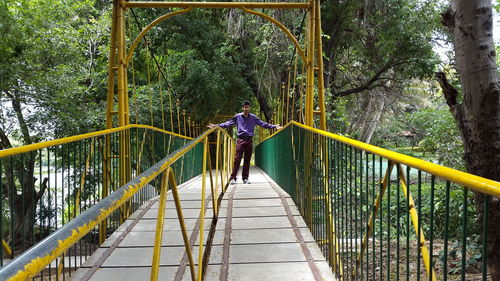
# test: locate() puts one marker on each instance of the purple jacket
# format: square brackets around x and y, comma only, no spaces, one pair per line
[246,125]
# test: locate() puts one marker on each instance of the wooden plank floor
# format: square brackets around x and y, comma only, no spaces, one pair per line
[259,236]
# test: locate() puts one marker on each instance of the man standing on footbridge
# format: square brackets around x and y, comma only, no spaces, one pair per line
[245,122]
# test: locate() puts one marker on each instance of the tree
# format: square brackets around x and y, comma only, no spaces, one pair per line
[375,48]
[46,79]
[196,61]
[478,115]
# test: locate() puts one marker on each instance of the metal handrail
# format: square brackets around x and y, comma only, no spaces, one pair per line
[45,144]
[331,180]
[477,183]
[40,255]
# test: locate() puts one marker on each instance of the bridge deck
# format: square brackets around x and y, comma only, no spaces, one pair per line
[259,235]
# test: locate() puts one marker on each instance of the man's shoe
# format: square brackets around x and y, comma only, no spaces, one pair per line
[233,181]
[245,181]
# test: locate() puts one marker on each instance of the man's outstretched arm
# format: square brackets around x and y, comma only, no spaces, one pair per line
[267,125]
[226,124]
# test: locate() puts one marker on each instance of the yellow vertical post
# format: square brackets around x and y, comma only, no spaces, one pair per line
[171,108]
[120,45]
[178,103]
[319,61]
[217,152]
[309,121]
[161,101]
[310,66]
[202,207]
[111,69]
[282,104]
[159,226]
[109,115]
[184,121]
[294,92]
[287,97]
[123,114]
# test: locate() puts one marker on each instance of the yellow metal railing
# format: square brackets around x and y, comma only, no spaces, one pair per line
[33,261]
[359,207]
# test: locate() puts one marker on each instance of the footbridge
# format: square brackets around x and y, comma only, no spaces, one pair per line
[150,202]
[319,207]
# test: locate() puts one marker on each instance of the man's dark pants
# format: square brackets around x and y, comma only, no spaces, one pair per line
[243,147]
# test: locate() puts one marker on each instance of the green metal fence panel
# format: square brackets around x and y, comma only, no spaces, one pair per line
[42,190]
[375,218]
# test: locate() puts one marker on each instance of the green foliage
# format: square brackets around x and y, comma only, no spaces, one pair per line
[198,67]
[381,41]
[47,64]
[439,135]
[455,228]
[420,124]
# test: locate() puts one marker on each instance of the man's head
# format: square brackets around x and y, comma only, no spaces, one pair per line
[246,107]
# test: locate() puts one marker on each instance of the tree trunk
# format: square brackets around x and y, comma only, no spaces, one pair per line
[250,77]
[377,103]
[478,117]
[19,186]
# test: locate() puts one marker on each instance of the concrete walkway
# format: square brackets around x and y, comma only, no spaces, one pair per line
[259,236]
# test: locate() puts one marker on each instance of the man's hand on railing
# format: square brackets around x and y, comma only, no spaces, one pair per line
[212,126]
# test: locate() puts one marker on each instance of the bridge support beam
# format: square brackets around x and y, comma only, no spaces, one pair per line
[314,65]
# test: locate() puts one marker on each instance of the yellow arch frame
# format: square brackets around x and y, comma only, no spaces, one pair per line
[120,57]
[188,9]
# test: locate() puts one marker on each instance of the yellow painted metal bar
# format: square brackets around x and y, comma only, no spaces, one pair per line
[302,85]
[319,61]
[189,127]
[161,101]
[37,146]
[7,249]
[277,23]
[477,183]
[111,68]
[202,207]
[122,165]
[147,28]
[212,186]
[309,106]
[371,221]
[150,90]
[282,105]
[184,121]
[134,93]
[414,219]
[308,150]
[474,182]
[334,257]
[225,161]
[180,216]
[287,96]
[216,5]
[120,46]
[178,105]
[338,261]
[36,265]
[159,226]
[60,267]
[294,92]
[217,153]
[171,107]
